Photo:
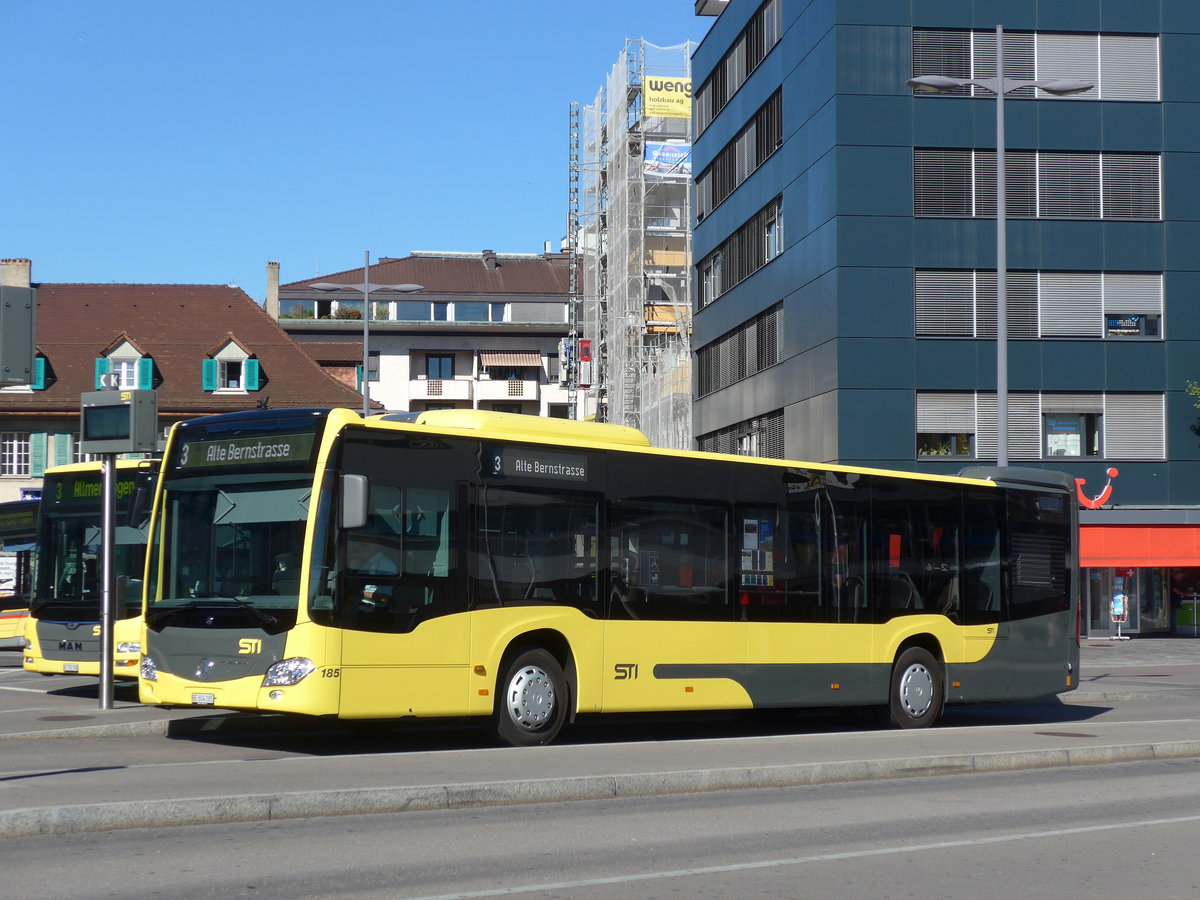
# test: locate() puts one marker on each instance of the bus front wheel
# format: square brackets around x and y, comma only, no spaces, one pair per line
[918,689]
[531,705]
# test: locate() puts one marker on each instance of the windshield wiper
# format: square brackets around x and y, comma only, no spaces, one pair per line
[262,618]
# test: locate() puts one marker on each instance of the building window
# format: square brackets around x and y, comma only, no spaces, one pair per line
[760,436]
[1071,434]
[14,453]
[710,279]
[1046,425]
[439,367]
[945,443]
[1122,67]
[773,235]
[752,146]
[229,376]
[471,311]
[751,48]
[441,312]
[1039,185]
[497,311]
[745,251]
[742,352]
[1095,305]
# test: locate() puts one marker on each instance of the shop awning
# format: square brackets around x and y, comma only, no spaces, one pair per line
[1138,546]
[513,359]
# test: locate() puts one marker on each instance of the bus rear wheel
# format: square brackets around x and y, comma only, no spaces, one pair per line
[918,689]
[531,705]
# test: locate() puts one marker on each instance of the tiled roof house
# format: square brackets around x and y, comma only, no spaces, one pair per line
[203,348]
[483,333]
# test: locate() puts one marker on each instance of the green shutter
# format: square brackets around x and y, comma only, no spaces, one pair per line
[250,374]
[145,374]
[63,449]
[208,375]
[358,378]
[39,374]
[101,369]
[37,454]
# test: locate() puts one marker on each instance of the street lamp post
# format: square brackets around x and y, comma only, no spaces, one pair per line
[366,290]
[1000,86]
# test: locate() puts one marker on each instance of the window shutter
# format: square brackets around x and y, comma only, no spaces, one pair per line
[63,449]
[1069,185]
[1134,426]
[941,413]
[1074,56]
[1133,293]
[1131,186]
[1072,403]
[942,182]
[358,378]
[145,374]
[1128,67]
[39,374]
[208,375]
[37,454]
[944,304]
[101,369]
[941,52]
[1070,304]
[250,374]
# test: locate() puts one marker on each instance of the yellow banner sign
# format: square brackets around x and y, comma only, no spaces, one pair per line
[670,98]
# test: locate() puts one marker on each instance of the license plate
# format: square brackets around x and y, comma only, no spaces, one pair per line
[70,667]
[203,699]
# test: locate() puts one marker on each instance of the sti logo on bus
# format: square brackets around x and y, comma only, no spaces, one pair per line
[249,647]
[625,671]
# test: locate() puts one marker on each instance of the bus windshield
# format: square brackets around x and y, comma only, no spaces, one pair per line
[231,543]
[67,583]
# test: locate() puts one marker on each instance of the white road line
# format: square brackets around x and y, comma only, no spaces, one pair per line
[800,860]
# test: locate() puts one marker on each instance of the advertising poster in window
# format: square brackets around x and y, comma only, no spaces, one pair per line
[1064,436]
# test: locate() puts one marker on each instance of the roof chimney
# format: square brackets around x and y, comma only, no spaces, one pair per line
[272,303]
[489,259]
[15,272]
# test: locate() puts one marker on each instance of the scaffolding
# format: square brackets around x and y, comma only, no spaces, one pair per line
[630,232]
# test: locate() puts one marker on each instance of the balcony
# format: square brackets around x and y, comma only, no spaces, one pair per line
[440,389]
[487,390]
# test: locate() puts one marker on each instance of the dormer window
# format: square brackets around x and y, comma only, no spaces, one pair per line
[134,370]
[230,370]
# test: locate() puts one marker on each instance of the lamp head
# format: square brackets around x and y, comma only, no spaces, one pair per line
[1060,87]
[935,83]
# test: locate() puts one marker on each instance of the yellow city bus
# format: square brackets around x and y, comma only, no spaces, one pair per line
[526,571]
[62,635]
[18,524]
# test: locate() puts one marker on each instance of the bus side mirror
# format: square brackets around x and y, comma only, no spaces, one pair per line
[355,492]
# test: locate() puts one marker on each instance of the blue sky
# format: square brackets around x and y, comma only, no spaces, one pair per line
[191,142]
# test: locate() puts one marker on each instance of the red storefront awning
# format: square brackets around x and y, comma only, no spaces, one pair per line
[1138,546]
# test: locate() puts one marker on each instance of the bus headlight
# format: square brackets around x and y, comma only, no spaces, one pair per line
[289,671]
[129,646]
[149,669]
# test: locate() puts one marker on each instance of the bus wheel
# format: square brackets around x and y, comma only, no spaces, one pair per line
[531,705]
[918,689]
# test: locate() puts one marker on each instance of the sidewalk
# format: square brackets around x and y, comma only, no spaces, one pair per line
[259,790]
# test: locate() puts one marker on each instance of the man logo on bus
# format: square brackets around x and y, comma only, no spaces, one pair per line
[1100,499]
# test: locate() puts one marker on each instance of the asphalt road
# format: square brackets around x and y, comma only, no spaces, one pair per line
[1137,702]
[1110,831]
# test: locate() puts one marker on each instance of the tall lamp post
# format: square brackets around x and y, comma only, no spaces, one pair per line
[365,289]
[1000,86]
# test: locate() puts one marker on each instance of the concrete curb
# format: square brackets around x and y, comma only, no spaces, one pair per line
[303,804]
